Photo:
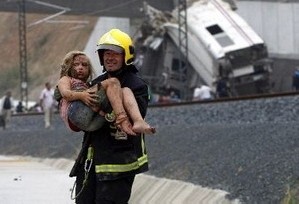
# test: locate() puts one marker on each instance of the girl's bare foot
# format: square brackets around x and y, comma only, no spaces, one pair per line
[142,127]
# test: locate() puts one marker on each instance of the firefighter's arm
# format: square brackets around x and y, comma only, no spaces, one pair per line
[142,97]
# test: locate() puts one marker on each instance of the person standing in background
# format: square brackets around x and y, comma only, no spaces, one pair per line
[47,102]
[202,93]
[6,106]
[295,83]
[19,108]
[222,89]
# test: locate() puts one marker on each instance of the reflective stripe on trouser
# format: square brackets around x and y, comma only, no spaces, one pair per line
[110,168]
[106,168]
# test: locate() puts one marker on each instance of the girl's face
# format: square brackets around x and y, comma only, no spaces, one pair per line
[80,68]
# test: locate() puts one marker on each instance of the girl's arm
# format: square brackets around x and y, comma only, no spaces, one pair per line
[64,86]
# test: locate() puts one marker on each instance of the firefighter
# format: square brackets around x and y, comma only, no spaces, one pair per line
[109,159]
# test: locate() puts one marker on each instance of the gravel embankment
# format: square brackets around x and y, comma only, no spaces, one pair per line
[247,148]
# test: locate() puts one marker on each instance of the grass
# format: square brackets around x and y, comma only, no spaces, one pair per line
[46,46]
[292,194]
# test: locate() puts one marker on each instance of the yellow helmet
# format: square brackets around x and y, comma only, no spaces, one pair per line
[117,41]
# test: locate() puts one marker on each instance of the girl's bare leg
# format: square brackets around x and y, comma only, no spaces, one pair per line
[131,106]
[114,94]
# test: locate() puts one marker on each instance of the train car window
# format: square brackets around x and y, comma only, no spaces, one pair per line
[221,37]
[214,29]
[176,73]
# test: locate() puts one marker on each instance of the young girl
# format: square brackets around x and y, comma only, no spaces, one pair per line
[81,107]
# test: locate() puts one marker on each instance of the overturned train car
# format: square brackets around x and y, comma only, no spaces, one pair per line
[222,47]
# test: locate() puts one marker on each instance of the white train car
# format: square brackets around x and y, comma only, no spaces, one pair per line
[221,47]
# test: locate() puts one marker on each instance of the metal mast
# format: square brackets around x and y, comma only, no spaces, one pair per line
[23,52]
[183,45]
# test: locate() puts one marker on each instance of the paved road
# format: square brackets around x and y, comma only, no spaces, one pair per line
[29,182]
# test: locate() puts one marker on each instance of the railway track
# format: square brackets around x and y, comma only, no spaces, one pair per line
[220,100]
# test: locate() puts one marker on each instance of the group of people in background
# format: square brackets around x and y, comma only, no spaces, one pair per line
[46,105]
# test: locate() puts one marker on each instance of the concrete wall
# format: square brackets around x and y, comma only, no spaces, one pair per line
[276,22]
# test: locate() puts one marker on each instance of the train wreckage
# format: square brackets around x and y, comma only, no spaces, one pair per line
[222,49]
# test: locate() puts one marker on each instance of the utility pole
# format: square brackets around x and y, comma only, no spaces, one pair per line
[23,52]
[183,45]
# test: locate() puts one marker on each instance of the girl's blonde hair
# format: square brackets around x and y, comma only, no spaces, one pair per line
[67,64]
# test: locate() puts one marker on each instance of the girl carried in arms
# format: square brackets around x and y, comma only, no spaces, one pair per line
[81,106]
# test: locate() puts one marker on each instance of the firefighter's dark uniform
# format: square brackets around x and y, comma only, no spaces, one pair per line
[115,162]
[107,165]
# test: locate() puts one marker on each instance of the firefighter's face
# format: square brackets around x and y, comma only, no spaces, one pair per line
[113,61]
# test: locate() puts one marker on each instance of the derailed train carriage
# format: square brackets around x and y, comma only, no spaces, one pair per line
[221,47]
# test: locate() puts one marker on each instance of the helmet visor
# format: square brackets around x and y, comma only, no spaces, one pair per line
[115,48]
